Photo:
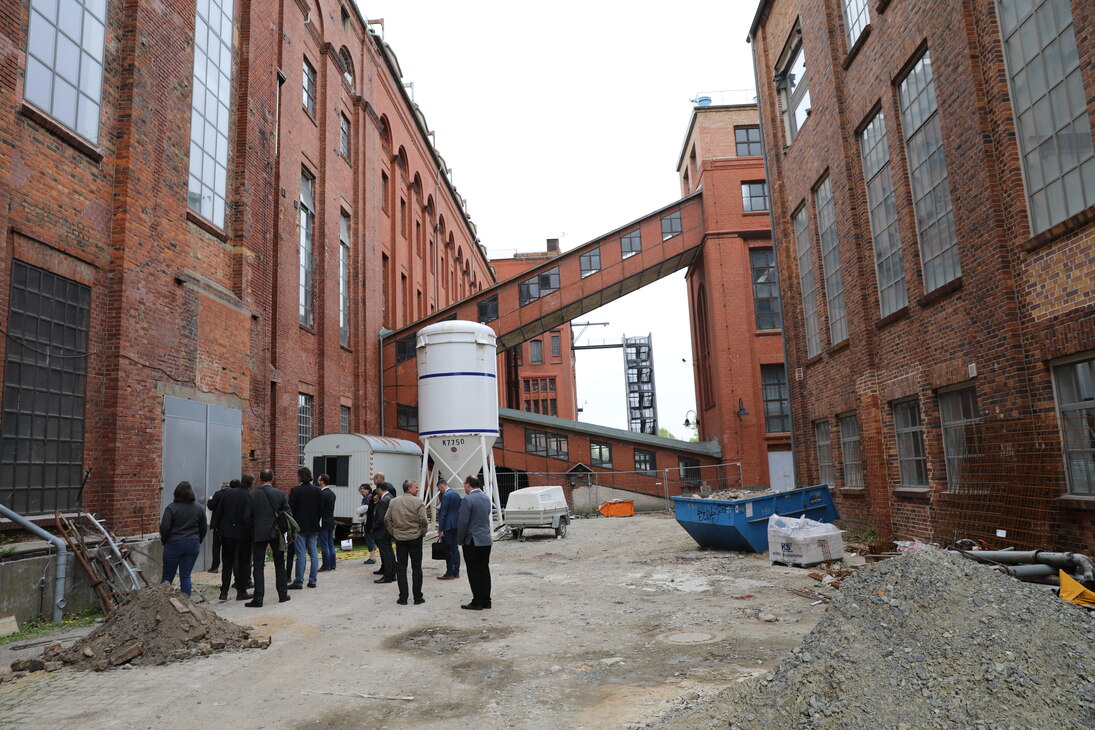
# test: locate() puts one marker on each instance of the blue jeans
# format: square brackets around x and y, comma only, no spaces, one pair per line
[452,563]
[180,556]
[306,541]
[369,541]
[327,547]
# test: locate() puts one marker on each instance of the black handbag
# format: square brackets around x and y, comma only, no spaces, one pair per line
[439,550]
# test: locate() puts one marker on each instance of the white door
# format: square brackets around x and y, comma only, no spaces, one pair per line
[781,470]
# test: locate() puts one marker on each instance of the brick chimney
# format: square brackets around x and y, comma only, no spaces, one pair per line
[553,245]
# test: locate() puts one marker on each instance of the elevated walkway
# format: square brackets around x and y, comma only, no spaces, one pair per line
[557,291]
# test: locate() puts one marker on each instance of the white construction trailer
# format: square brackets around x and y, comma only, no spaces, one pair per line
[351,459]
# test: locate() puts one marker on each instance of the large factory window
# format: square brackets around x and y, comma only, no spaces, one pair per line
[762,262]
[807,274]
[64,73]
[928,174]
[777,403]
[830,261]
[793,85]
[307,230]
[889,266]
[545,443]
[308,84]
[304,424]
[45,384]
[210,103]
[856,18]
[1044,71]
[910,444]
[824,442]
[849,448]
[957,410]
[344,280]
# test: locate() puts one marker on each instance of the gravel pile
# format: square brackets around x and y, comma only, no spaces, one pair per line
[734,494]
[925,640]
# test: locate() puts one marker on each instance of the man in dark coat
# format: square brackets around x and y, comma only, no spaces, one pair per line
[213,502]
[383,538]
[232,520]
[326,523]
[306,502]
[266,502]
[448,519]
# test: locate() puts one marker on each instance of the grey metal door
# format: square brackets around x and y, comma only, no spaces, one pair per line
[202,444]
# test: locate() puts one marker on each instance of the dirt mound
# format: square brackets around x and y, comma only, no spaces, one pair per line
[925,640]
[156,625]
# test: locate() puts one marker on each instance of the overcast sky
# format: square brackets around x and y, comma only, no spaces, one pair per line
[565,120]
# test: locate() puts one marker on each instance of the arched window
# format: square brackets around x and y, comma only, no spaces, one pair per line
[385,133]
[347,64]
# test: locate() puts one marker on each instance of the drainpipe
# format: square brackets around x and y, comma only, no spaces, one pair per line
[62,558]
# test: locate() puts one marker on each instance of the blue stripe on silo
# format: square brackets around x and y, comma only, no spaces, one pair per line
[447,375]
[457,431]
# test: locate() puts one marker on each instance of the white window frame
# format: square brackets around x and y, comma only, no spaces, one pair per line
[825,214]
[344,279]
[856,18]
[1051,118]
[807,274]
[307,245]
[793,85]
[1075,420]
[927,162]
[889,263]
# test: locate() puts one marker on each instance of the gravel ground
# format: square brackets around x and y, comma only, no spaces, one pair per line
[927,640]
[613,626]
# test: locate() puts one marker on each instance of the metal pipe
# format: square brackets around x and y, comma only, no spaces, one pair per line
[1076,563]
[133,584]
[62,558]
[1028,571]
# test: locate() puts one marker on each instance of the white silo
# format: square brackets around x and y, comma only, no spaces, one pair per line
[458,405]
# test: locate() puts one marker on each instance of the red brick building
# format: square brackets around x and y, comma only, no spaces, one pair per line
[932,198]
[210,217]
[540,375]
[742,397]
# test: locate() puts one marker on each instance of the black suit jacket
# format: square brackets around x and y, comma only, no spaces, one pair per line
[262,513]
[233,516]
[327,512]
[306,502]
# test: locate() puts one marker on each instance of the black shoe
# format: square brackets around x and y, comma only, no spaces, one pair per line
[243,596]
[311,585]
[384,580]
[472,607]
[284,598]
[253,604]
[402,601]
[485,606]
[295,587]
[378,572]
[419,601]
[223,596]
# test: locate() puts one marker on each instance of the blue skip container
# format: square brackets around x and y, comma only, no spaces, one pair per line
[743,523]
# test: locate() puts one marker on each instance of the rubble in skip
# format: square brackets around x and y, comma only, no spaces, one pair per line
[925,640]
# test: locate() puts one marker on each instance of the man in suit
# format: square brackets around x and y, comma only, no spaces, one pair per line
[383,538]
[326,523]
[448,520]
[213,503]
[232,519]
[266,502]
[406,521]
[305,501]
[474,533]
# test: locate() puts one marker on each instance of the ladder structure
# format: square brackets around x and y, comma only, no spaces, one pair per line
[109,566]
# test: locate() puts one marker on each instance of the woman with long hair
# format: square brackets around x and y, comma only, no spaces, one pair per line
[182,529]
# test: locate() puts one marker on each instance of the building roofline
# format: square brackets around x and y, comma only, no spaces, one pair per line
[756,20]
[696,110]
[702,448]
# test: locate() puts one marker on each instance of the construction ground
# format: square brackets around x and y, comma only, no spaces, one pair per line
[623,623]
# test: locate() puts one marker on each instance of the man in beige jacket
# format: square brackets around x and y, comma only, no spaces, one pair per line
[405,520]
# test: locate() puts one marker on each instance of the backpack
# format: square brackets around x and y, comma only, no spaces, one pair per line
[284,524]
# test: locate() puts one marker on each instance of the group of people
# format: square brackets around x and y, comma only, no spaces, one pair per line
[402,519]
[249,520]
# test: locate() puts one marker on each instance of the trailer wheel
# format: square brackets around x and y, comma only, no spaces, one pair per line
[519,535]
[561,530]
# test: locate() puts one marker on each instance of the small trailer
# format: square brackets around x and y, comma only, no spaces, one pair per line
[539,507]
[351,459]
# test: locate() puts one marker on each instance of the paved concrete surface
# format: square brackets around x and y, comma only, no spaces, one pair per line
[604,628]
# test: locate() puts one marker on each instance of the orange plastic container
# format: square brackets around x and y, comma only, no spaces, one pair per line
[618,508]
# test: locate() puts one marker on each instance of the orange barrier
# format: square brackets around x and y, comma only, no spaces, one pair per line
[618,508]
